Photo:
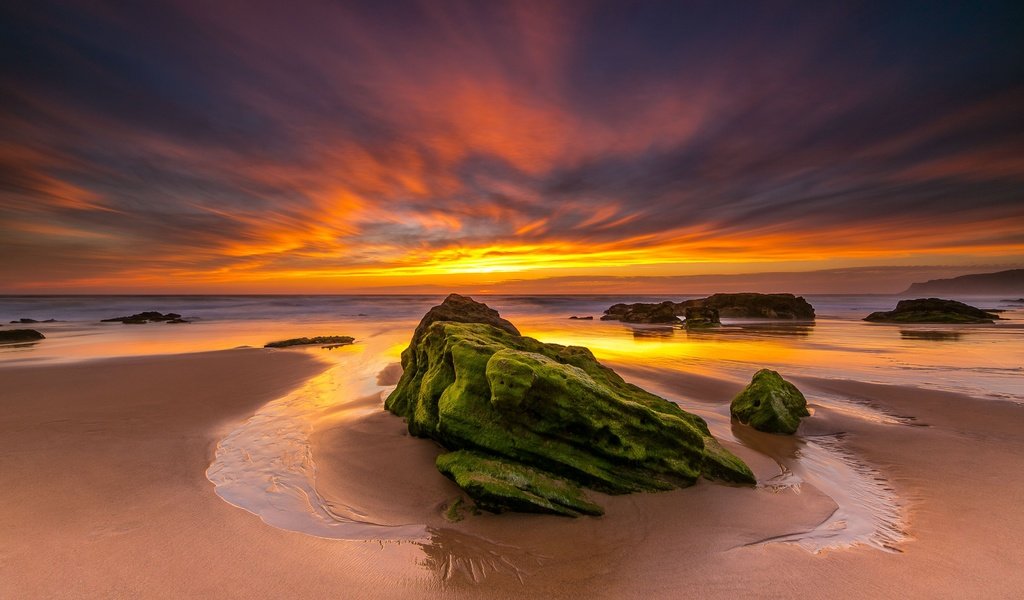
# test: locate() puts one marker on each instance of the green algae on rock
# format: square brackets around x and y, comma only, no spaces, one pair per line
[933,310]
[552,410]
[499,485]
[770,403]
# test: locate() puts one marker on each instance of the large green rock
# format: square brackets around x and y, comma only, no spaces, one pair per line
[551,409]
[770,403]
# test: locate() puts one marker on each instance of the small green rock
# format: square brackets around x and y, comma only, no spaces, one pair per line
[770,403]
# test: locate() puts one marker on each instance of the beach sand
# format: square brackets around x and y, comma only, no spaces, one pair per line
[105,496]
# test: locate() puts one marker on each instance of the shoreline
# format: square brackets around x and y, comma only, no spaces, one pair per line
[106,495]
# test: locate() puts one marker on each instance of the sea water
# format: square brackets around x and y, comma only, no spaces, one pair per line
[981,360]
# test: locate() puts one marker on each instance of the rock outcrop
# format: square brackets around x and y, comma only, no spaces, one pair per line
[147,317]
[531,423]
[322,340]
[770,403]
[702,317]
[10,336]
[932,310]
[735,306]
[641,312]
[757,306]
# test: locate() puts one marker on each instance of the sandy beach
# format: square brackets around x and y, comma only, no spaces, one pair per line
[106,496]
[556,300]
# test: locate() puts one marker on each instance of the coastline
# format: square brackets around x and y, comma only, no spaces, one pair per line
[106,496]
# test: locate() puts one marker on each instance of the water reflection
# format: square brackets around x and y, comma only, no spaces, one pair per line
[644,334]
[930,335]
[801,329]
[458,557]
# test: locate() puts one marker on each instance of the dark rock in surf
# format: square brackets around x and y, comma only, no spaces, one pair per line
[702,317]
[932,310]
[751,305]
[641,312]
[10,336]
[146,317]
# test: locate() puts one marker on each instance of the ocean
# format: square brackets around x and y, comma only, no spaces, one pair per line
[981,360]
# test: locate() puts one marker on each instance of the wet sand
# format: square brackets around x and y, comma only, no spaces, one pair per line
[105,495]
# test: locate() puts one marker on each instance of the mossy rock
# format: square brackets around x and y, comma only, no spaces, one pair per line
[770,403]
[554,409]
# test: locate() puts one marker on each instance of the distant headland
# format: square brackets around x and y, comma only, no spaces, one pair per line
[1004,282]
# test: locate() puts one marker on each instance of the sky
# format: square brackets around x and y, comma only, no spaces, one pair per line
[538,147]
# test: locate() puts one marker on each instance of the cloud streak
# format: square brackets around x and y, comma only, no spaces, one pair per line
[344,145]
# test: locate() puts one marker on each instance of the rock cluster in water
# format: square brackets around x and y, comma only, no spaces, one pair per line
[147,317]
[750,305]
[770,403]
[8,336]
[932,310]
[529,424]
[641,312]
[736,306]
[24,321]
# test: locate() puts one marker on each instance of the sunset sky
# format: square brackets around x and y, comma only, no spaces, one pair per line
[527,147]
